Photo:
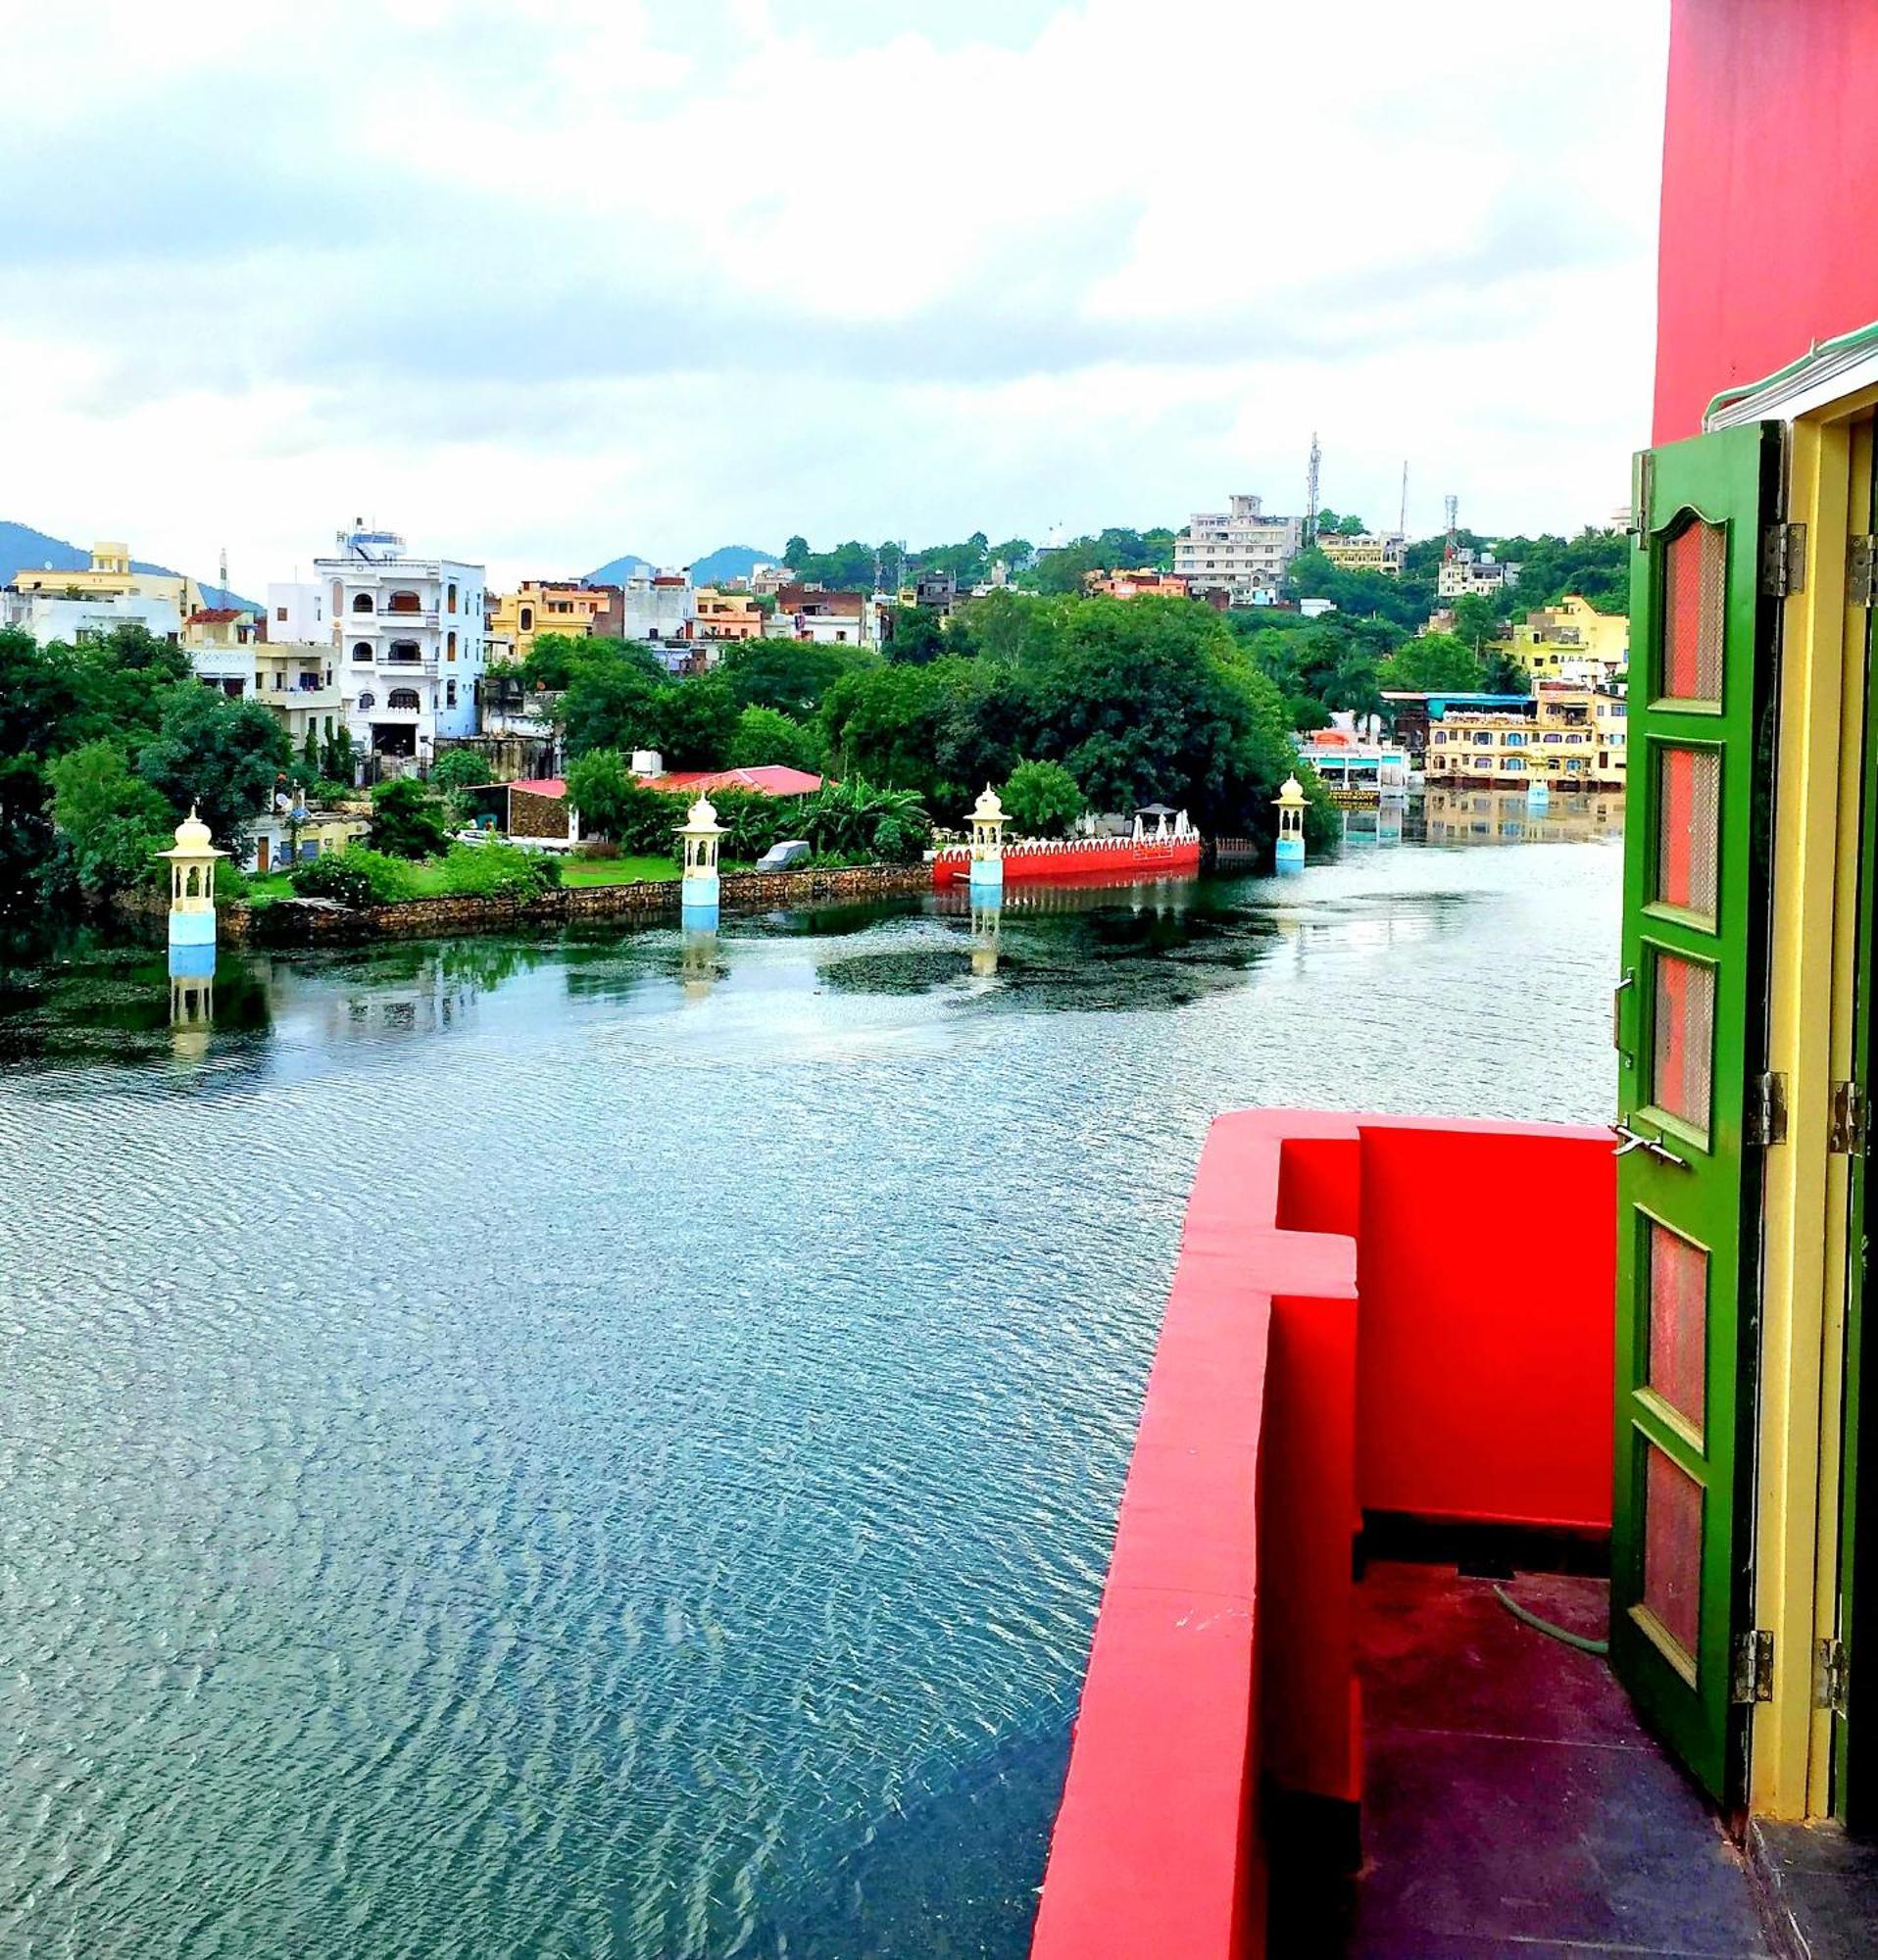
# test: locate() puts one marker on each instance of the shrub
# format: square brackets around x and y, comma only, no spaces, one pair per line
[597,847]
[406,820]
[499,872]
[354,876]
[459,770]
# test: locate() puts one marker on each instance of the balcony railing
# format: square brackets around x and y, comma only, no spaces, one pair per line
[1324,1357]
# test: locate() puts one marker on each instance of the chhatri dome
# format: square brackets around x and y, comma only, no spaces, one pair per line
[988,808]
[193,834]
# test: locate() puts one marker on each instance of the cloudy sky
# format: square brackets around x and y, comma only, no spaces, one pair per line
[543,282]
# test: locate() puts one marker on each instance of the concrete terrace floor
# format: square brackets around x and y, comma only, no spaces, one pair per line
[1513,1805]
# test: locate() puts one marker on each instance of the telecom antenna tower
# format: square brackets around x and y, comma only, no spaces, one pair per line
[224,575]
[1402,519]
[1310,491]
[1453,503]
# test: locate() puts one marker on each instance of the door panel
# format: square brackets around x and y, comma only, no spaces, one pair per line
[1692,1034]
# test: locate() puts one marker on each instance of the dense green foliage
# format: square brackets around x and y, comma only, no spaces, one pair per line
[764,736]
[406,820]
[1042,800]
[456,770]
[357,876]
[111,824]
[849,821]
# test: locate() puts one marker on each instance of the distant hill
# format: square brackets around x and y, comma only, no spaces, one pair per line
[22,549]
[727,562]
[730,562]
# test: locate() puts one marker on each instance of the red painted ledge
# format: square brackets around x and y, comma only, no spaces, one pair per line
[1441,1291]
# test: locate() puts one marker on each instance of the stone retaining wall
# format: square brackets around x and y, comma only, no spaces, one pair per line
[438,919]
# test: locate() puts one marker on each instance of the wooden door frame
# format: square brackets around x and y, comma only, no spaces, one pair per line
[1819,759]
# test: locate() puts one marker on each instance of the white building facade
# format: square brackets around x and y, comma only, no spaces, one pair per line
[298,610]
[409,637]
[52,617]
[1240,550]
[1476,574]
[658,605]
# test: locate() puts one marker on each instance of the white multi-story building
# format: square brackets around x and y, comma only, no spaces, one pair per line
[1240,550]
[51,616]
[298,610]
[1477,572]
[658,605]
[411,639]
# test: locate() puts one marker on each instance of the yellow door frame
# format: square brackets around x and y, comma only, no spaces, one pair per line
[1818,771]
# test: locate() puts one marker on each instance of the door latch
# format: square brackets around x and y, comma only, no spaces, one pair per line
[1635,1140]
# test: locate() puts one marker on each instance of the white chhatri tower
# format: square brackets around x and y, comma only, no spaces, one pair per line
[701,830]
[988,822]
[192,883]
[1290,802]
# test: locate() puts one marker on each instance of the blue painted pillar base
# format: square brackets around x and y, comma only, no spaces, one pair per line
[1289,854]
[192,928]
[987,875]
[699,915]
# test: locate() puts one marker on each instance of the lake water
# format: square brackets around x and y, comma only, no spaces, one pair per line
[608,1445]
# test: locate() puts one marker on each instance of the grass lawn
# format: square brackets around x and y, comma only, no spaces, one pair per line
[575,871]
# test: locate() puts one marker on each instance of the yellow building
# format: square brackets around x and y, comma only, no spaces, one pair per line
[1574,740]
[1560,642]
[109,576]
[537,607]
[727,615]
[1362,553]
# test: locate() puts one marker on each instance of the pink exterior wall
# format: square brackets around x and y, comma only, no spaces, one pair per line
[1368,1312]
[1771,159]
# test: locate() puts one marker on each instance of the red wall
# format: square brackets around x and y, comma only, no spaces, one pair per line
[1769,192]
[1486,1266]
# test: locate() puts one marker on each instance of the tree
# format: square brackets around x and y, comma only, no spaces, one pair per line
[112,821]
[553,657]
[222,757]
[406,820]
[459,770]
[694,722]
[310,753]
[1477,621]
[1062,571]
[791,675]
[919,636]
[1435,663]
[764,736]
[614,803]
[335,758]
[795,554]
[1041,799]
[610,705]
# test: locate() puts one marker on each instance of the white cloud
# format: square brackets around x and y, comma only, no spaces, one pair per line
[546,281]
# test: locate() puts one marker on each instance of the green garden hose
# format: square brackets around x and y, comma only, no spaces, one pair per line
[1582,1642]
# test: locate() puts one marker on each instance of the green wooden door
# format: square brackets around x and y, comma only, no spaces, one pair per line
[1691,1034]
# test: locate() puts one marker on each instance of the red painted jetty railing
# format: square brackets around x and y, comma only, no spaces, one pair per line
[1369,1314]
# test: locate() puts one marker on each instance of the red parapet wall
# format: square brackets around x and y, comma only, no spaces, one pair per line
[1331,1343]
[1121,859]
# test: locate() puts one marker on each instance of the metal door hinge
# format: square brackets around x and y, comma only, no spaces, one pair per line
[1783,560]
[1847,1137]
[1861,555]
[1640,500]
[1831,1676]
[1766,1121]
[1753,1669]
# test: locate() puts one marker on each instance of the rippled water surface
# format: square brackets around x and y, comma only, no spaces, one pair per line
[608,1446]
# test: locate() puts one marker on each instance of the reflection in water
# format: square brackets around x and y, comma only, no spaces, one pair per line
[700,968]
[1505,816]
[192,999]
[629,1467]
